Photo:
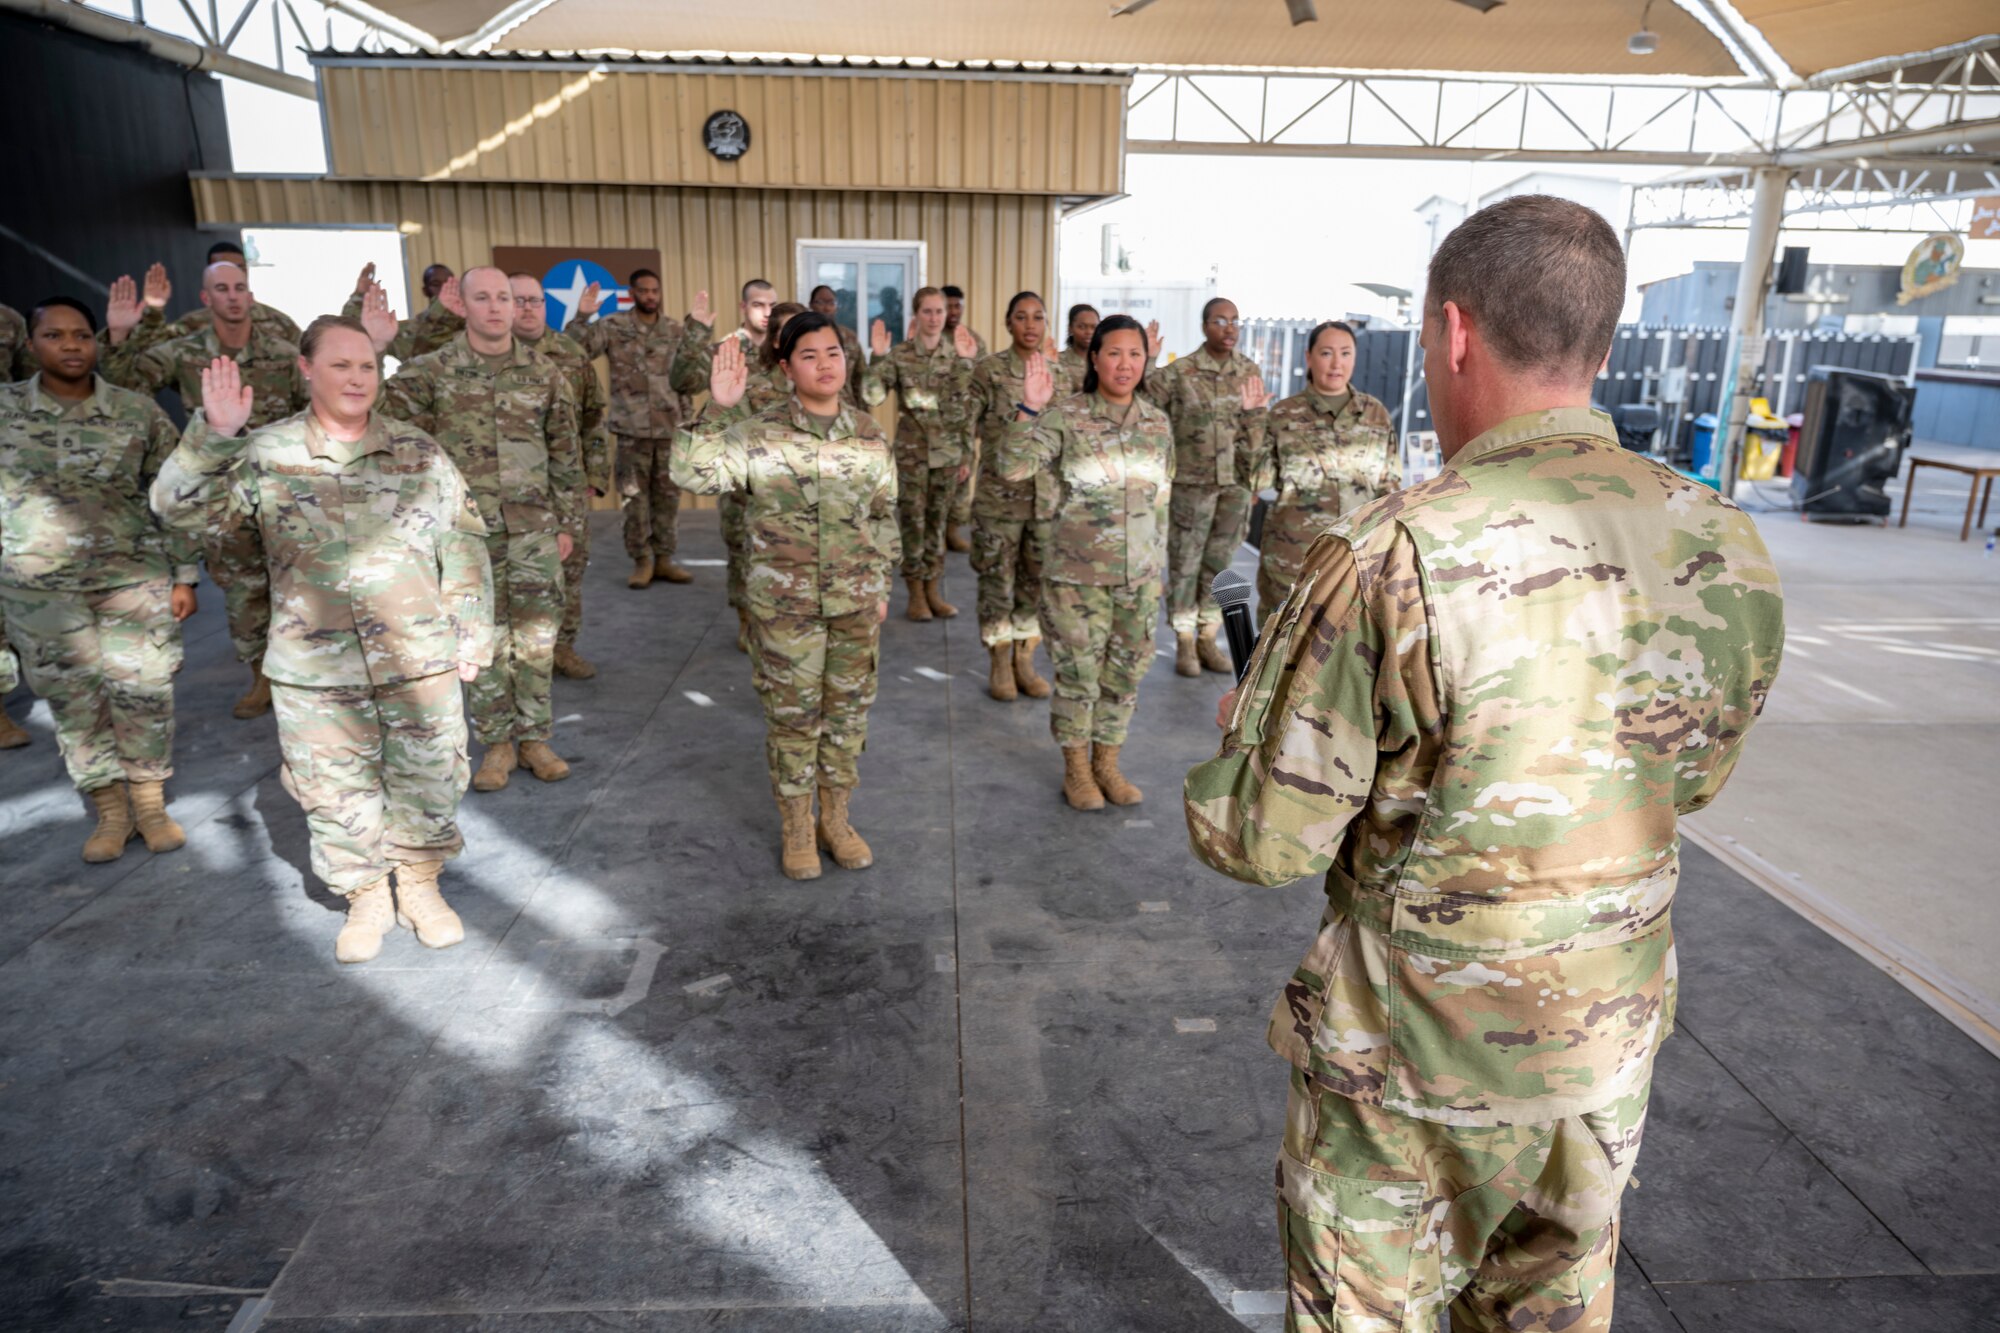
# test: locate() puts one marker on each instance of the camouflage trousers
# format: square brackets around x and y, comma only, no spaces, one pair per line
[105,661]
[235,558]
[572,572]
[923,502]
[379,771]
[1387,1220]
[1101,644]
[1289,532]
[963,493]
[734,509]
[651,501]
[510,699]
[1007,556]
[816,678]
[1205,525]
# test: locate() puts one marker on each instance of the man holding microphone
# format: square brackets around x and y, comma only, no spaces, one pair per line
[1479,716]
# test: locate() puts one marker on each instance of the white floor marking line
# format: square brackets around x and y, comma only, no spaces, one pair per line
[707,985]
[1185,1025]
[705,564]
[930,673]
[1854,690]
[1156,907]
[698,699]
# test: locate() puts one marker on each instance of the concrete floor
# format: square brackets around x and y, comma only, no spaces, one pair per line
[1012,1078]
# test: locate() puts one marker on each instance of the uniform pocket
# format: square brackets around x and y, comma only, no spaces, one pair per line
[1296,1015]
[1350,1242]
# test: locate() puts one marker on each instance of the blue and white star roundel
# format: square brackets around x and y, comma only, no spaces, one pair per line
[563,286]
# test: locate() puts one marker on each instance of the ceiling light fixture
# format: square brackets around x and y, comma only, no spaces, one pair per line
[1645,41]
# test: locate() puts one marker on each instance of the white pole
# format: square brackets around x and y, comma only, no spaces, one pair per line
[1746,324]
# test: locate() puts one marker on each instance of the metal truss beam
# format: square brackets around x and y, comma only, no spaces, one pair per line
[1880,196]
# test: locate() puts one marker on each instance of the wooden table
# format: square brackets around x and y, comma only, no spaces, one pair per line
[1982,465]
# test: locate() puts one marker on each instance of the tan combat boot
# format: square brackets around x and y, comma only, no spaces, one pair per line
[742,630]
[642,573]
[499,761]
[665,568]
[1031,684]
[954,540]
[1104,767]
[114,825]
[1079,786]
[801,857]
[1000,674]
[1210,652]
[570,663]
[1186,660]
[156,826]
[256,701]
[920,604]
[837,835]
[939,606]
[543,762]
[12,735]
[370,915]
[420,907]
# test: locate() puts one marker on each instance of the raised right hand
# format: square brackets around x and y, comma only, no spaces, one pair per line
[1152,341]
[586,305]
[878,339]
[702,309]
[1039,385]
[728,376]
[366,280]
[451,298]
[123,311]
[377,317]
[225,398]
[159,290]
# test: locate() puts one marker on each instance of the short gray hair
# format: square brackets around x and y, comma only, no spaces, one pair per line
[1543,279]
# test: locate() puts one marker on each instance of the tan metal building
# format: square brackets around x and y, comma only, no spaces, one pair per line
[968,172]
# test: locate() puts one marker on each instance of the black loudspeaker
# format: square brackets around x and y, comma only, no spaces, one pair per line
[1637,425]
[1792,271]
[1856,427]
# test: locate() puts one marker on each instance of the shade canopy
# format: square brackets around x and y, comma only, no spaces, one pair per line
[1787,39]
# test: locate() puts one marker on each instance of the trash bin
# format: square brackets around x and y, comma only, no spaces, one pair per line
[1787,459]
[1707,460]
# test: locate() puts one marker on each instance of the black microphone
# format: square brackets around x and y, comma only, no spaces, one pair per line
[1232,592]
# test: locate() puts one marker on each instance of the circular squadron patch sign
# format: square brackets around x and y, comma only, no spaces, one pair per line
[727,135]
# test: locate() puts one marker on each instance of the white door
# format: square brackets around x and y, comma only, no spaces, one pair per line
[871,280]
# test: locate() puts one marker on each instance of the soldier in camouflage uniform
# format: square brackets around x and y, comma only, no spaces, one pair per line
[931,377]
[531,327]
[16,363]
[1215,398]
[1008,516]
[235,561]
[1328,451]
[384,605]
[158,290]
[821,483]
[968,486]
[1112,457]
[91,585]
[1073,362]
[427,330]
[506,415]
[654,359]
[1479,715]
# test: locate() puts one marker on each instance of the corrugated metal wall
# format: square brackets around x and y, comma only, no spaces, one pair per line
[826,130]
[992,245]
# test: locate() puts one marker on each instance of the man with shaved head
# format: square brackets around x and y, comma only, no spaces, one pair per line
[267,363]
[507,416]
[157,291]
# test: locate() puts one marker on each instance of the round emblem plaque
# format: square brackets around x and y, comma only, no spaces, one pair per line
[727,135]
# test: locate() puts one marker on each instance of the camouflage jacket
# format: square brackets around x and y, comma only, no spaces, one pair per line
[269,366]
[1325,459]
[821,505]
[17,362]
[154,329]
[590,404]
[1115,470]
[651,366]
[1070,368]
[934,397]
[377,555]
[857,362]
[1203,397]
[73,481]
[513,435]
[420,334]
[1479,715]
[996,390]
